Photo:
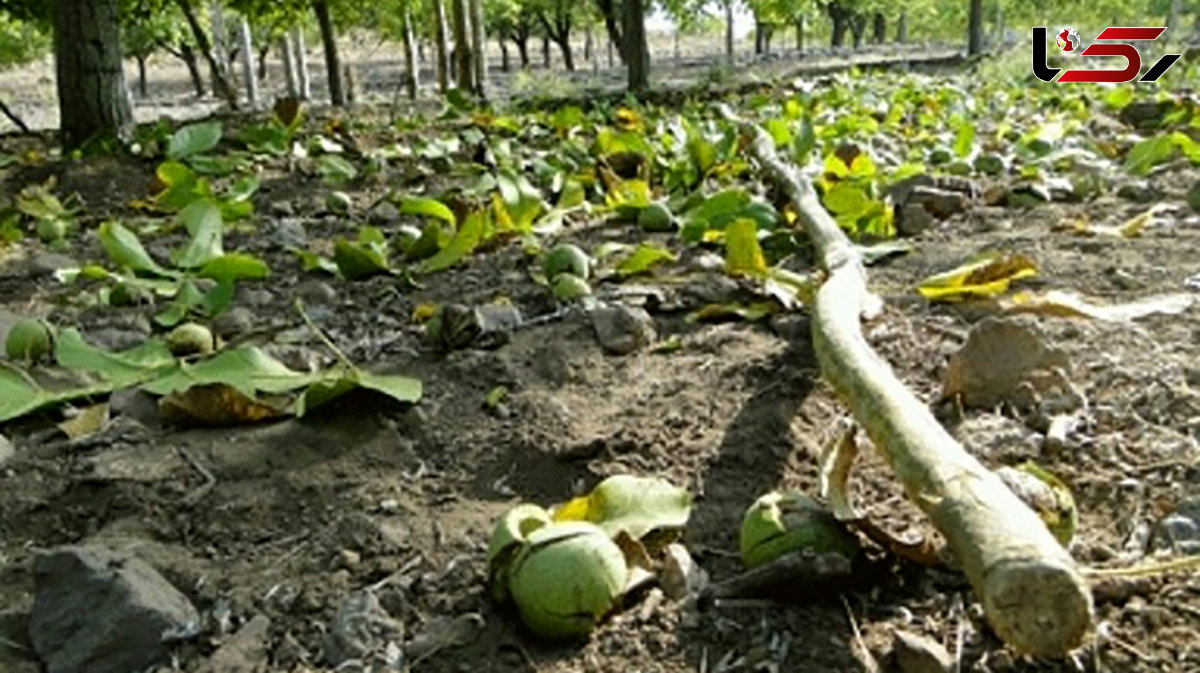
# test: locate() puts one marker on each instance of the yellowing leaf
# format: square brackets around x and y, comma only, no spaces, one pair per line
[634,505]
[643,258]
[88,422]
[575,509]
[1132,228]
[219,404]
[423,312]
[628,119]
[743,254]
[987,276]
[1065,304]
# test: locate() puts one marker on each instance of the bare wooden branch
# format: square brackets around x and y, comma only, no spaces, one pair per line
[1034,595]
[12,116]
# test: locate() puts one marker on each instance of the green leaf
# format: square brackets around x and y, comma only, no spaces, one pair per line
[743,254]
[335,169]
[964,139]
[233,267]
[358,260]
[644,257]
[414,205]
[779,131]
[399,388]
[125,250]
[119,369]
[194,139]
[1147,154]
[465,240]
[630,504]
[844,198]
[203,222]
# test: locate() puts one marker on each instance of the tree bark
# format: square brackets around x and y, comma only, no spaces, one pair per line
[251,73]
[589,46]
[300,50]
[143,87]
[464,66]
[902,28]
[759,38]
[1032,592]
[838,16]
[220,36]
[410,55]
[333,60]
[637,52]
[441,36]
[478,48]
[263,52]
[611,11]
[289,66]
[975,28]
[800,33]
[729,33]
[858,28]
[14,118]
[546,52]
[188,56]
[220,74]
[523,50]
[879,28]
[92,97]
[504,62]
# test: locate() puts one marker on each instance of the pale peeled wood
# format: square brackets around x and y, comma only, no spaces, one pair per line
[1033,593]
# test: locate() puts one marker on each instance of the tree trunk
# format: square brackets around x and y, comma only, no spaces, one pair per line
[247,49]
[677,53]
[92,98]
[143,88]
[464,66]
[610,53]
[263,52]
[759,38]
[637,52]
[441,36]
[333,60]
[879,28]
[220,36]
[546,52]
[564,45]
[588,45]
[613,20]
[289,66]
[523,50]
[858,28]
[729,33]
[504,63]
[220,75]
[902,28]
[800,33]
[975,28]
[478,48]
[838,17]
[303,78]
[410,55]
[188,56]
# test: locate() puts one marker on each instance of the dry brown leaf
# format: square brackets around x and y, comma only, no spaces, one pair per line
[87,422]
[219,404]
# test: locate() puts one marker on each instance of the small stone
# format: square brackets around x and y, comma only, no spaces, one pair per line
[255,296]
[45,263]
[385,213]
[680,576]
[913,219]
[245,652]
[1139,191]
[99,611]
[348,558]
[1179,530]
[1002,354]
[6,450]
[362,627]
[316,293]
[289,233]
[902,190]
[283,208]
[941,203]
[918,654]
[234,322]
[136,404]
[443,633]
[623,329]
[1193,196]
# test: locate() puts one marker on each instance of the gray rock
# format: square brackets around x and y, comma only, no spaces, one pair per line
[362,629]
[385,213]
[136,404]
[99,611]
[680,576]
[623,329]
[1139,191]
[316,293]
[941,203]
[442,633]
[901,191]
[245,652]
[234,322]
[1193,196]
[283,208]
[918,654]
[913,219]
[1001,356]
[6,450]
[289,233]
[1179,530]
[44,263]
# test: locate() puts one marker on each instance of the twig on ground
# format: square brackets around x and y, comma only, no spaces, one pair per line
[12,116]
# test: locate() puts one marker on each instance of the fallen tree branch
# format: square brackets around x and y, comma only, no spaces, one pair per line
[12,116]
[1034,596]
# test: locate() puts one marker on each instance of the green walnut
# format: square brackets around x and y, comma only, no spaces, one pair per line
[510,533]
[566,258]
[51,230]
[190,339]
[781,523]
[656,217]
[568,288]
[565,578]
[29,339]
